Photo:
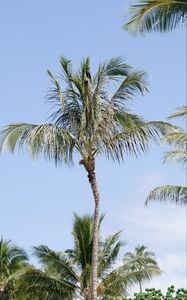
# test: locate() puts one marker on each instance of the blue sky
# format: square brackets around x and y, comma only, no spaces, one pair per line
[37,199]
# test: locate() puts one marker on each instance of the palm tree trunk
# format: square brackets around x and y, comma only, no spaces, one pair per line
[90,168]
[140,286]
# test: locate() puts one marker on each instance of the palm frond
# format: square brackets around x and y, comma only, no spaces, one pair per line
[48,140]
[182,112]
[135,82]
[82,233]
[134,140]
[168,193]
[177,140]
[38,283]
[178,156]
[108,253]
[156,15]
[115,68]
[56,261]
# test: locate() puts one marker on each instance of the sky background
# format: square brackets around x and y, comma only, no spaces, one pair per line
[38,199]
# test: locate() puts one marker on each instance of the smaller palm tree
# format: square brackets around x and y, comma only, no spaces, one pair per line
[67,275]
[142,259]
[156,15]
[177,140]
[12,261]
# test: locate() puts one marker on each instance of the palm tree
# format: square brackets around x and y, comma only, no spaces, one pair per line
[67,275]
[12,260]
[156,15]
[176,194]
[139,260]
[88,120]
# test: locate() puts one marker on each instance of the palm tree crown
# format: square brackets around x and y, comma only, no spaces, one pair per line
[156,15]
[142,259]
[87,118]
[12,260]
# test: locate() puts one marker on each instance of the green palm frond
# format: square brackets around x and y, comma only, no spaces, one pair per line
[176,140]
[135,82]
[134,140]
[52,142]
[56,261]
[83,238]
[13,260]
[109,253]
[47,285]
[115,68]
[178,156]
[175,194]
[181,113]
[156,15]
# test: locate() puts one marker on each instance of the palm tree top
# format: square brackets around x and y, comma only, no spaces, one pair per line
[156,15]
[90,116]
[67,275]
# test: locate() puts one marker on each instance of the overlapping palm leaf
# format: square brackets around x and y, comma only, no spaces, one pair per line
[156,15]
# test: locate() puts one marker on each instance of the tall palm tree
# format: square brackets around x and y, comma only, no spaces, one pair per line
[156,15]
[12,260]
[139,260]
[67,275]
[90,118]
[177,140]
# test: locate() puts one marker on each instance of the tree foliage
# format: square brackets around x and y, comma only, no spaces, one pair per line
[13,261]
[153,294]
[142,259]
[156,15]
[67,275]
[90,115]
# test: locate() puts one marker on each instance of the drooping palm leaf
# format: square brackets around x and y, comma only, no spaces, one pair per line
[156,15]
[167,193]
[46,285]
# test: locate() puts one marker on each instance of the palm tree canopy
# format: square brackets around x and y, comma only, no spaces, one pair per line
[142,259]
[12,260]
[88,117]
[156,15]
[67,275]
